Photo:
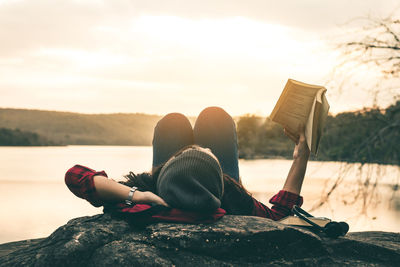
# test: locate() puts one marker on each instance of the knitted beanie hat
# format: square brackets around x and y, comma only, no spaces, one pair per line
[191,181]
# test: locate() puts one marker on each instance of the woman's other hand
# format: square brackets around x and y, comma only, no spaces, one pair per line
[148,197]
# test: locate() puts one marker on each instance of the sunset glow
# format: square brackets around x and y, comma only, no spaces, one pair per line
[121,58]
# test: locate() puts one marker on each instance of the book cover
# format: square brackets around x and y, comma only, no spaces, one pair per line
[294,220]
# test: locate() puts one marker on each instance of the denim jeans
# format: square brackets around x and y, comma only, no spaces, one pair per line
[214,129]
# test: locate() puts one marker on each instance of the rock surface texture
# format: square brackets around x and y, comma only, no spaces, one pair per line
[233,241]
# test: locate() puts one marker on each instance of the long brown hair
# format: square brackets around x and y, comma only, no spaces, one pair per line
[236,200]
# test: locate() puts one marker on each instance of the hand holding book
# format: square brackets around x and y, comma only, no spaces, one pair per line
[302,104]
[301,149]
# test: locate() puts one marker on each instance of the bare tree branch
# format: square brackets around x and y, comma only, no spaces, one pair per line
[369,46]
[372,48]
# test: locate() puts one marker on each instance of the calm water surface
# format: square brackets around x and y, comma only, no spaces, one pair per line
[35,201]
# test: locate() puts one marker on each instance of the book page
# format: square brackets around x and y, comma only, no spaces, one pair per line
[294,106]
[300,104]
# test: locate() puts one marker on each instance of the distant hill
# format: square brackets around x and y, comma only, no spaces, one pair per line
[368,135]
[16,137]
[82,129]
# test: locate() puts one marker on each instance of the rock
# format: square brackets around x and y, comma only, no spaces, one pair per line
[13,246]
[233,241]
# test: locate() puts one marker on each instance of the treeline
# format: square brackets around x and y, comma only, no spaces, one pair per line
[67,128]
[368,135]
[10,137]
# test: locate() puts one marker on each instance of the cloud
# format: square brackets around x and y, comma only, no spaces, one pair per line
[164,54]
[29,25]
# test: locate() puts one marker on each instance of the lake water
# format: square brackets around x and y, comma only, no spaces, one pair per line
[35,201]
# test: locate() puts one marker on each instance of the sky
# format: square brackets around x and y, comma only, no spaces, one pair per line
[166,56]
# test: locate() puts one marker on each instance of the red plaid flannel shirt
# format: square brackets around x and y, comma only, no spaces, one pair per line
[79,180]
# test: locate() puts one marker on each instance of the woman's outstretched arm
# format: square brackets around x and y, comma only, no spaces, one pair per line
[96,188]
[295,178]
[111,191]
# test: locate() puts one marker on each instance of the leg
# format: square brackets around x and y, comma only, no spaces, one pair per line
[171,133]
[215,129]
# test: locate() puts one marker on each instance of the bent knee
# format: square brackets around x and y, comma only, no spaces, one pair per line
[174,116]
[214,112]
[214,115]
[174,119]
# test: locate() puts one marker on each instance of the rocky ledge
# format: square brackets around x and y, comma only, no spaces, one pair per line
[233,241]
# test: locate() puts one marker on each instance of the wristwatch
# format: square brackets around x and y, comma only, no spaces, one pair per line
[128,201]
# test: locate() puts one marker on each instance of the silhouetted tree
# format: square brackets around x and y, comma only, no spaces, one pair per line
[248,131]
[370,135]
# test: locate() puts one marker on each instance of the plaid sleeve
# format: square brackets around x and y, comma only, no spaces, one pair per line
[79,180]
[283,203]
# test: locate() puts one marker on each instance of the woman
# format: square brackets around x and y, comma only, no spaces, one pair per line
[195,173]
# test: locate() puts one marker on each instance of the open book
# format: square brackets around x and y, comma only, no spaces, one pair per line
[294,220]
[305,104]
